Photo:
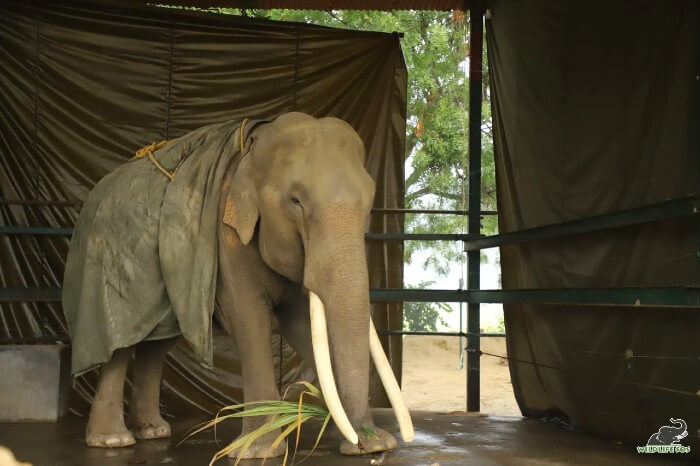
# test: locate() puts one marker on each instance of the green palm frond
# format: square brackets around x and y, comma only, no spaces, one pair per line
[286,415]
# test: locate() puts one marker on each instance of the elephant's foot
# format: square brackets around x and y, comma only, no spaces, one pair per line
[111,433]
[262,448]
[380,441]
[149,427]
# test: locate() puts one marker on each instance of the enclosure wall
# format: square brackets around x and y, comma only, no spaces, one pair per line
[595,111]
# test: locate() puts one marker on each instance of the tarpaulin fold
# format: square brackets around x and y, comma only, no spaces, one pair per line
[596,111]
[85,85]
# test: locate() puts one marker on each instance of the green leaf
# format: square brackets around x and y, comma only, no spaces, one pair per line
[369,432]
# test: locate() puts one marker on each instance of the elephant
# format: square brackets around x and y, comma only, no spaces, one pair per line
[291,220]
[668,435]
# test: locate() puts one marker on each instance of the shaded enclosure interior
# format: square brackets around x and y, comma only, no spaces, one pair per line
[595,112]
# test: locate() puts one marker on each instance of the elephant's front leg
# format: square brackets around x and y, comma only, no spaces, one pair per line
[295,324]
[248,318]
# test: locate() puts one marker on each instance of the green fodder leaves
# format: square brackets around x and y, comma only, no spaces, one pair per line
[369,432]
[285,415]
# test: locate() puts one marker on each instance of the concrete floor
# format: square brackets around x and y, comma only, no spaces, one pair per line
[443,439]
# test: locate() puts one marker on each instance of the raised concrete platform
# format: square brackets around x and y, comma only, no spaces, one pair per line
[34,382]
[444,439]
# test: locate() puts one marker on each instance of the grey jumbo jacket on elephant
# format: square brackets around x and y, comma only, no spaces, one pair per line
[142,262]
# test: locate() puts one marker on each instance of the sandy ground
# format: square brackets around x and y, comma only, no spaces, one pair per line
[432,379]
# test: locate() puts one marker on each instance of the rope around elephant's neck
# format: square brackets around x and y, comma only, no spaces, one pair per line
[154,146]
[148,151]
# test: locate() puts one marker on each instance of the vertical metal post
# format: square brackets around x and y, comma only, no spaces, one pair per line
[462,357]
[474,225]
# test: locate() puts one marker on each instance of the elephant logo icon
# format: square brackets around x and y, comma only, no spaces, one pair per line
[668,435]
[667,438]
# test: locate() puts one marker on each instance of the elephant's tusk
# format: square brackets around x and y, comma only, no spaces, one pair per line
[391,386]
[322,358]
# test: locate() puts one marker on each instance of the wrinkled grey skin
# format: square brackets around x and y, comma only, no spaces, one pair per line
[668,435]
[293,219]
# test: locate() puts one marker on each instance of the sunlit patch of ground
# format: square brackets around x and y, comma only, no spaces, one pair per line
[433,381]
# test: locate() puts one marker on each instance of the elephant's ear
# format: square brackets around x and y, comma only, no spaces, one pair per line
[241,209]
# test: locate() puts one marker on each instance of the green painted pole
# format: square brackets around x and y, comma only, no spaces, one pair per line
[474,226]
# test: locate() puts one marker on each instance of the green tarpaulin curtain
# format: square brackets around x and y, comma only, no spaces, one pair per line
[83,86]
[596,110]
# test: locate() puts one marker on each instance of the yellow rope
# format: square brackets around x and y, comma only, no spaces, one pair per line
[149,149]
[241,131]
[160,167]
[141,153]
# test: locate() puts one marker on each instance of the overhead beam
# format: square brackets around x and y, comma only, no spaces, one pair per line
[324,5]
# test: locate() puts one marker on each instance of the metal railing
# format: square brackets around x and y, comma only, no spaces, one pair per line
[679,297]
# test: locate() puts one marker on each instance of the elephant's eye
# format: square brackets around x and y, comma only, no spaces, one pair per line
[295,200]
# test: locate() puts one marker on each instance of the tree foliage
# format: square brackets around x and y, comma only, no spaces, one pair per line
[436,49]
[423,316]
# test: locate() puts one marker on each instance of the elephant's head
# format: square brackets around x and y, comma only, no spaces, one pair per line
[304,189]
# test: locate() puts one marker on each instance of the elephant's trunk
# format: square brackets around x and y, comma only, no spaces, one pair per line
[336,276]
[339,291]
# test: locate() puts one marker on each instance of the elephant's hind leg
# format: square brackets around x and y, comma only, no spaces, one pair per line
[145,420]
[106,426]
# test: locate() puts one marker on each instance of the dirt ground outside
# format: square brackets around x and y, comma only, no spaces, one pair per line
[433,381]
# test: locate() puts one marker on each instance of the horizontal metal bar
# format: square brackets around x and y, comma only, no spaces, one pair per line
[377,210]
[651,213]
[27,230]
[420,236]
[66,338]
[683,297]
[430,211]
[42,231]
[29,295]
[40,202]
[35,340]
[438,334]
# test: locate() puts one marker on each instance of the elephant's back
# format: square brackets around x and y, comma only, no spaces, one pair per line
[143,252]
